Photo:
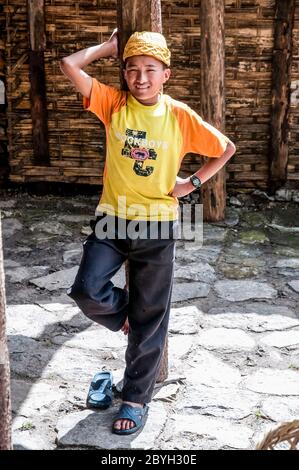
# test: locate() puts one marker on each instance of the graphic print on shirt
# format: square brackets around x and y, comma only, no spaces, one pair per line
[134,148]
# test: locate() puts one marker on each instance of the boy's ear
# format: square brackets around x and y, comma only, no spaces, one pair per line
[167,73]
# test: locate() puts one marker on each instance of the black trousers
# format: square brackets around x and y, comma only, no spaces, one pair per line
[147,305]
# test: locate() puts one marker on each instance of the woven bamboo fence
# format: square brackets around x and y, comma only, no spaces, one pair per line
[77,138]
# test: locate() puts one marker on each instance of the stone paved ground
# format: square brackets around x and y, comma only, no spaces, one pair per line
[233,338]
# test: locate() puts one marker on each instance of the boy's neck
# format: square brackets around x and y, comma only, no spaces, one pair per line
[155,101]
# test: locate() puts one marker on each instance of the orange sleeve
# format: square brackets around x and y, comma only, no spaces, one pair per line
[199,136]
[102,101]
[203,138]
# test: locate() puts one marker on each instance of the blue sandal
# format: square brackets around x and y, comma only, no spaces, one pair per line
[100,391]
[132,413]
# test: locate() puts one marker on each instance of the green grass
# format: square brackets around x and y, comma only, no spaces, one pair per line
[27,426]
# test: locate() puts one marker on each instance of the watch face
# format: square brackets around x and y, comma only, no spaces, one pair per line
[195,181]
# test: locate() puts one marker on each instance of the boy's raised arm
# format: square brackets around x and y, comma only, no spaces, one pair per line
[72,65]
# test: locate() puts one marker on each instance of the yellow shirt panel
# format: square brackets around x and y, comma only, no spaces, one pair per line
[143,154]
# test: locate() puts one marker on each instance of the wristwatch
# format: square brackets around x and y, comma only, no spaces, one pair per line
[195,181]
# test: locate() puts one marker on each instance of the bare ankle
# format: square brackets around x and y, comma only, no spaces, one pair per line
[133,403]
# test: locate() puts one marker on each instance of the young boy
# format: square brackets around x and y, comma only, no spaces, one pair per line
[148,134]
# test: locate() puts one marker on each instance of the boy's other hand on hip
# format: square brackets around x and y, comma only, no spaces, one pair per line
[182,187]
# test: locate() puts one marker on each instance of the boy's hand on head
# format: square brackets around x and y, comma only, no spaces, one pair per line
[182,187]
[113,42]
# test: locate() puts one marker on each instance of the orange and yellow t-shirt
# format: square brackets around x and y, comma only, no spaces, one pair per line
[145,148]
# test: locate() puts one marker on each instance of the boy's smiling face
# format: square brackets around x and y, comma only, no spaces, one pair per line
[145,76]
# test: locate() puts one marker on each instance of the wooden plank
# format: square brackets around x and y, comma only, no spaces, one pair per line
[212,97]
[36,19]
[238,167]
[282,57]
[40,170]
[5,400]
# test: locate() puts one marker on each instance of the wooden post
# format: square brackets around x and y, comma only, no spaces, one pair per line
[281,72]
[212,97]
[36,20]
[136,15]
[141,15]
[5,406]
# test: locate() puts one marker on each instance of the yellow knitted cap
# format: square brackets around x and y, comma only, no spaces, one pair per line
[147,43]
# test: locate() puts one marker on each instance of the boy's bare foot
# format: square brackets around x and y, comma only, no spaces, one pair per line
[127,423]
[125,327]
